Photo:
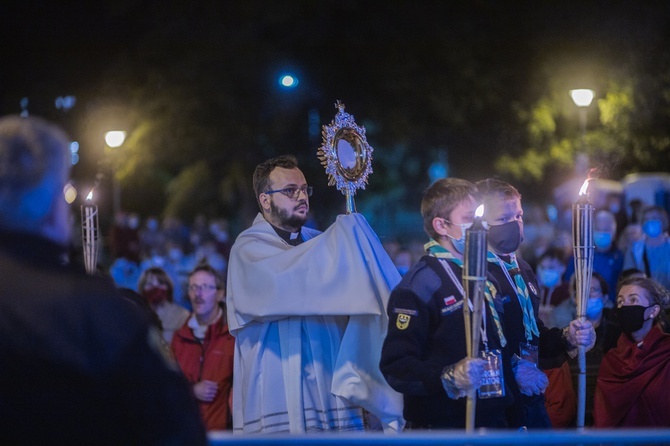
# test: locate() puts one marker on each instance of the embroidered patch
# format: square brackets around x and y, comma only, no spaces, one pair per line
[452,308]
[402,322]
[405,311]
[532,288]
[449,300]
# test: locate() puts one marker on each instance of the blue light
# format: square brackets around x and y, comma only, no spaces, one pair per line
[74,149]
[288,81]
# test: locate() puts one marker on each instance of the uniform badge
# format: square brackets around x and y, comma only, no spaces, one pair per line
[402,322]
[449,300]
[532,288]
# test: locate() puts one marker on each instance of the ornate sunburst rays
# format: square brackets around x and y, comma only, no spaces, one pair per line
[327,153]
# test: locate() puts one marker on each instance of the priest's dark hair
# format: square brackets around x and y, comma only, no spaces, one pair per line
[261,180]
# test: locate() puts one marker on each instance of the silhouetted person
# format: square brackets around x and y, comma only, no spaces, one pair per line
[80,364]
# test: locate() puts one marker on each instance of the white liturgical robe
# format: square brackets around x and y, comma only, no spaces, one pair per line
[309,323]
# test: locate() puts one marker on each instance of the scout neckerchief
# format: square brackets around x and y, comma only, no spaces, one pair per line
[438,251]
[529,323]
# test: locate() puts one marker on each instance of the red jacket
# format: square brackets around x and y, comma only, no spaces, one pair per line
[210,360]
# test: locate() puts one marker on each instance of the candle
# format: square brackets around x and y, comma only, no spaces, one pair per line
[582,238]
[474,281]
[89,233]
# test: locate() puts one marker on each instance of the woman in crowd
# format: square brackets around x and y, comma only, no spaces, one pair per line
[633,387]
[561,398]
[157,289]
[204,348]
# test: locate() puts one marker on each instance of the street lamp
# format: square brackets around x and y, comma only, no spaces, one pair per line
[582,97]
[114,139]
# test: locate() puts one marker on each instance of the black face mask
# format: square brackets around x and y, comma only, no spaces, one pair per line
[631,317]
[506,238]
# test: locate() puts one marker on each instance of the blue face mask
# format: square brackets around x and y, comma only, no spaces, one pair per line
[548,277]
[459,243]
[602,240]
[652,228]
[594,307]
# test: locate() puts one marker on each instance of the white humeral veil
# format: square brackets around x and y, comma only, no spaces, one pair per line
[309,323]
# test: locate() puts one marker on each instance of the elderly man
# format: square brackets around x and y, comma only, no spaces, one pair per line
[80,364]
[308,313]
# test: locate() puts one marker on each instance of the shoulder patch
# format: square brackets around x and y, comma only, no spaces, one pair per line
[402,321]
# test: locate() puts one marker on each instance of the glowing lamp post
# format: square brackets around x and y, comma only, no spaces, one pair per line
[474,281]
[582,97]
[582,237]
[89,233]
[115,139]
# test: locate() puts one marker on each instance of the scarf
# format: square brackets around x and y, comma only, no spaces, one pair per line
[438,251]
[513,270]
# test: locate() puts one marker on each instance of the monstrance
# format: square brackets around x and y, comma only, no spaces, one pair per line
[346,155]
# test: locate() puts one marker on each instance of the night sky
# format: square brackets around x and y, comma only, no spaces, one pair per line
[428,74]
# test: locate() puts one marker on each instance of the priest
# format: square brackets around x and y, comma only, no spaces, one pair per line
[308,311]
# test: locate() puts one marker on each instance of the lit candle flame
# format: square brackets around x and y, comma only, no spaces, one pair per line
[585,186]
[90,195]
[479,211]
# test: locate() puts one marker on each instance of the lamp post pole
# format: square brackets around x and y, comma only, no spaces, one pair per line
[114,139]
[582,97]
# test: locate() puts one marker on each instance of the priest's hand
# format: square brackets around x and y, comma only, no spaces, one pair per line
[205,390]
[465,375]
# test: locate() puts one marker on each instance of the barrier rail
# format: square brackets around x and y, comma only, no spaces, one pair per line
[483,437]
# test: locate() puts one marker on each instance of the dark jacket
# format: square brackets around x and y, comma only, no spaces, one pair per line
[426,333]
[80,364]
[550,345]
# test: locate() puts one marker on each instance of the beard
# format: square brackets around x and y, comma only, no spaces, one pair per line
[286,221]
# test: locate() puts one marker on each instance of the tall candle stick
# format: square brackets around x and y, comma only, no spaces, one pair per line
[474,280]
[582,237]
[89,234]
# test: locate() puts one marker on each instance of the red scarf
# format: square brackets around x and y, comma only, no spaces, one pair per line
[633,387]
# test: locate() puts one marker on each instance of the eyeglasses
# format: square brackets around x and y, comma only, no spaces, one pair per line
[293,192]
[205,287]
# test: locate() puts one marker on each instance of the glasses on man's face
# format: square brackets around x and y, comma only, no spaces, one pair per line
[293,192]
[205,287]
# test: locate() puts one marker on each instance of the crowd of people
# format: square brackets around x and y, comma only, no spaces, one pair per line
[288,329]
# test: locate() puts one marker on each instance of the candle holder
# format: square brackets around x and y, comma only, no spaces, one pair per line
[89,234]
[346,155]
[582,238]
[474,281]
